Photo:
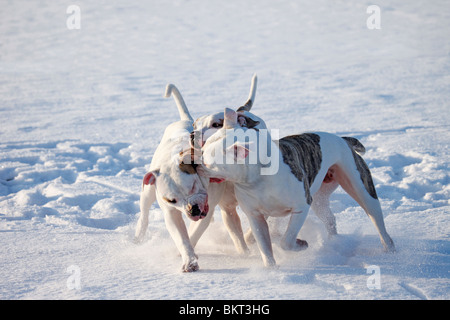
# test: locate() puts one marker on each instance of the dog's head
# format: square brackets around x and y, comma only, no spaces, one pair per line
[179,186]
[224,152]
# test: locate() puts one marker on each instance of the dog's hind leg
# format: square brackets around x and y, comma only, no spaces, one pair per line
[356,180]
[232,222]
[321,203]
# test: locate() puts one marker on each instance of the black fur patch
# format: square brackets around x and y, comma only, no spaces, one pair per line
[303,155]
[362,167]
[247,122]
[355,145]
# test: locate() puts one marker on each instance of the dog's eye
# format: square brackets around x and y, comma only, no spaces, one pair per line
[173,201]
[216,125]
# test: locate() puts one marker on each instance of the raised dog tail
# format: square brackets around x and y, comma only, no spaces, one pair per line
[355,145]
[251,97]
[182,109]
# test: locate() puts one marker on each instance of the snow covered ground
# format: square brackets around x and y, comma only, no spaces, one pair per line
[82,113]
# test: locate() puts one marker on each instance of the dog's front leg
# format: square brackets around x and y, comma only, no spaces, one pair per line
[230,217]
[260,230]
[290,241]
[177,229]
[148,196]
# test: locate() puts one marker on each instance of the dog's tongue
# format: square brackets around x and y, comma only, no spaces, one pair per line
[216,180]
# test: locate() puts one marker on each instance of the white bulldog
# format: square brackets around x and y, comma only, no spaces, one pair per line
[174,182]
[312,167]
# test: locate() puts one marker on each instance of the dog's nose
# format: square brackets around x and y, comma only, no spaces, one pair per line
[195,211]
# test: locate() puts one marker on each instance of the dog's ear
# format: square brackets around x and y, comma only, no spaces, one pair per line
[240,152]
[150,178]
[230,118]
[247,122]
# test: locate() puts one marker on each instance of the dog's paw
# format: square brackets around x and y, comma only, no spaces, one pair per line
[190,266]
[270,263]
[137,240]
[298,245]
[243,251]
[390,247]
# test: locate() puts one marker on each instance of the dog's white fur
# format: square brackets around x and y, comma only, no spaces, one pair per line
[177,191]
[283,194]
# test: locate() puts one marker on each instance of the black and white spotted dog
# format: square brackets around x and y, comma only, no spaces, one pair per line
[311,167]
